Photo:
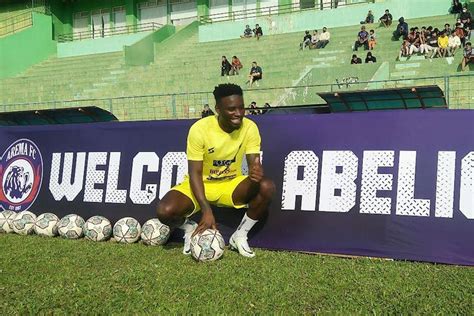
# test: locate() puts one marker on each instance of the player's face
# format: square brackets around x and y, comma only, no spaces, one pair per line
[231,112]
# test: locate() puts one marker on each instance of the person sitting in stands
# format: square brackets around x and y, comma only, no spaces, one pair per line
[314,39]
[225,66]
[254,109]
[372,39]
[414,38]
[369,19]
[355,60]
[369,59]
[266,107]
[402,30]
[443,42]
[306,40]
[447,29]
[247,32]
[362,39]
[456,7]
[453,43]
[255,74]
[207,111]
[257,31]
[461,33]
[468,56]
[404,49]
[324,38]
[465,18]
[386,19]
[433,43]
[236,66]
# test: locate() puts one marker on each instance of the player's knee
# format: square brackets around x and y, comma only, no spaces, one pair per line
[267,188]
[165,212]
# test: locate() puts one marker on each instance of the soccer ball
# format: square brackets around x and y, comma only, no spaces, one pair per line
[127,230]
[24,223]
[71,226]
[97,228]
[6,219]
[154,232]
[207,246]
[47,225]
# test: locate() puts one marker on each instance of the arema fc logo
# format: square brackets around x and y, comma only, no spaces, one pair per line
[21,172]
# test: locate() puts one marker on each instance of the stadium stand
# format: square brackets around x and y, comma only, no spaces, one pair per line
[185,69]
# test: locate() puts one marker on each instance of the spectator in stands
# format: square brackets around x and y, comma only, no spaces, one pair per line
[257,31]
[236,65]
[414,38]
[324,38]
[465,18]
[255,74]
[447,29]
[253,109]
[369,59]
[306,40]
[442,44]
[386,19]
[369,19]
[372,39]
[460,32]
[207,111]
[362,39]
[433,43]
[266,107]
[404,49]
[456,7]
[247,32]
[453,43]
[468,56]
[402,30]
[225,66]
[355,60]
[314,39]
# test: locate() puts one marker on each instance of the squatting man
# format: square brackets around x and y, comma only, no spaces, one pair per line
[215,149]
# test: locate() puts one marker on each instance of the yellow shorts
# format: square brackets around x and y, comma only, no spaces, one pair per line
[217,193]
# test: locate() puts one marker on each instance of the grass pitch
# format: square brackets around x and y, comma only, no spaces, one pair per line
[57,276]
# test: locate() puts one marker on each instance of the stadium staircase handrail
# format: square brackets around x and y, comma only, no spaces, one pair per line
[267,11]
[20,21]
[126,29]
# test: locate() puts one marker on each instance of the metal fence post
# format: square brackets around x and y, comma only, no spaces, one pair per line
[110,106]
[173,105]
[446,90]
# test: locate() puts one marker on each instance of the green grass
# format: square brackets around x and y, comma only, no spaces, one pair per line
[57,276]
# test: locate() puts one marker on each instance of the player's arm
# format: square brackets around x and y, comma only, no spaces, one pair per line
[255,167]
[197,186]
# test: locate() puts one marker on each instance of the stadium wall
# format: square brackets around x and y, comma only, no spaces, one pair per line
[28,47]
[367,184]
[110,44]
[312,19]
[143,51]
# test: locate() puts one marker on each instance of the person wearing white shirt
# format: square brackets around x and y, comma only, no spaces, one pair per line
[324,38]
[454,42]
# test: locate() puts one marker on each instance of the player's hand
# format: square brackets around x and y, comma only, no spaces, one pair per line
[207,221]
[256,170]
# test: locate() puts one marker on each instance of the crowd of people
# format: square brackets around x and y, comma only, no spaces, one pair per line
[315,40]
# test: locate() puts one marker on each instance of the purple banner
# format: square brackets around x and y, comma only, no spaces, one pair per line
[396,184]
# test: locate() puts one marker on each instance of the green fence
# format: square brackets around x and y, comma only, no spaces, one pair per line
[457,89]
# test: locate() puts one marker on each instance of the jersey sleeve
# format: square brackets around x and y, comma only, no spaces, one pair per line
[195,144]
[254,140]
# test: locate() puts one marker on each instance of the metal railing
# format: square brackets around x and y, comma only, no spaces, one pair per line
[270,10]
[100,32]
[457,90]
[21,21]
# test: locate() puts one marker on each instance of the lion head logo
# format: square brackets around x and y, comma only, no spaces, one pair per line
[17,182]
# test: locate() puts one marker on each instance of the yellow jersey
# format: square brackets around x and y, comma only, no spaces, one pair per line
[222,153]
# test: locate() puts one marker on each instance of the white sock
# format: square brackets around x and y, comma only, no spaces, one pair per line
[245,226]
[187,226]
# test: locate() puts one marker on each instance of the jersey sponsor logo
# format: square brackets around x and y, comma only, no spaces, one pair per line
[223,163]
[21,173]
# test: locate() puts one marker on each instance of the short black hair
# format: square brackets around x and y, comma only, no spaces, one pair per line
[225,90]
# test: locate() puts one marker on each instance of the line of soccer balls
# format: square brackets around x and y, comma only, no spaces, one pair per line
[207,246]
